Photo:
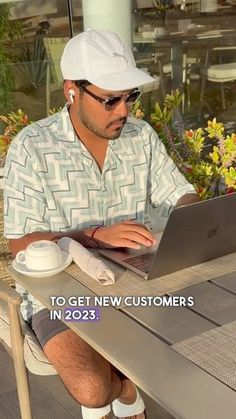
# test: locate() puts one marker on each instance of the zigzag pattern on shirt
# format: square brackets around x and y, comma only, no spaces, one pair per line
[76,194]
[73,190]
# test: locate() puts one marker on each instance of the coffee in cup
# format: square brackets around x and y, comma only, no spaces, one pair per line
[41,255]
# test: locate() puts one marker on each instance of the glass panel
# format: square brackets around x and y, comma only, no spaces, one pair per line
[178,41]
[27,70]
[77,16]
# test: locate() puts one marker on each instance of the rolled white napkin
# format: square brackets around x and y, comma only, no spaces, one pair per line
[88,263]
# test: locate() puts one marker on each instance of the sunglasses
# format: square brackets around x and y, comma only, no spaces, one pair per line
[112,101]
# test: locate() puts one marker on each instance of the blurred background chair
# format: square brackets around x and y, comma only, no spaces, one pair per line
[191,75]
[222,72]
[190,72]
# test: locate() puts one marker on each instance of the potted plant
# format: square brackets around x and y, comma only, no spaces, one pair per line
[33,63]
[13,123]
[9,30]
[206,156]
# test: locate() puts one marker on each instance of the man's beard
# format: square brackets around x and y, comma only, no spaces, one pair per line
[102,133]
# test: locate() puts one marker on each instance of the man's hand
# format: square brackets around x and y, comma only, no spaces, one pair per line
[125,234]
[189,198]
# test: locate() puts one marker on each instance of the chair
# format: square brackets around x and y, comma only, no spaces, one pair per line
[188,64]
[5,254]
[22,345]
[143,61]
[15,334]
[164,70]
[191,72]
[218,73]
[54,48]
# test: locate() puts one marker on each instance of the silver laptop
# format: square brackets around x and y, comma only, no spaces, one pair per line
[194,234]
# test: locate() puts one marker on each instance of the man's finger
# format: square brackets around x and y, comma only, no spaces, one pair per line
[141,231]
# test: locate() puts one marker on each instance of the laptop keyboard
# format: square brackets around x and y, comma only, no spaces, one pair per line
[141,262]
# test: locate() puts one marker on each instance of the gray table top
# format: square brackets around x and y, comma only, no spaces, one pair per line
[137,341]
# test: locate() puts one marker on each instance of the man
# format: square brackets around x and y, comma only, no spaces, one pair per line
[91,173]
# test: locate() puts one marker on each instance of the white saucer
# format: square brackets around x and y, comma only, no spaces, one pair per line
[22,269]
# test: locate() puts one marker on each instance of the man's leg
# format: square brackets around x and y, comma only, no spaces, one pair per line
[89,378]
[85,373]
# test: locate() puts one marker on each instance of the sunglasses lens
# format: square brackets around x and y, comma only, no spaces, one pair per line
[112,101]
[133,96]
[129,100]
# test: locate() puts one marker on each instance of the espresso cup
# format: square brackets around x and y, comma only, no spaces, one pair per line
[41,255]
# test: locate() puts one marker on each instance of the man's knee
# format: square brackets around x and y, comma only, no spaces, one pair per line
[90,393]
[85,374]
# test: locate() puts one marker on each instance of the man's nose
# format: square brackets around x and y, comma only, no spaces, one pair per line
[122,109]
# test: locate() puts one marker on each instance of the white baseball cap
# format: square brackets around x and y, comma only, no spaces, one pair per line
[102,58]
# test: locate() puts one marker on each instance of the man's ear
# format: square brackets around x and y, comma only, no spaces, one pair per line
[70,91]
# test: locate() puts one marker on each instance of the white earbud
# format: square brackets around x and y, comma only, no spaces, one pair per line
[71,95]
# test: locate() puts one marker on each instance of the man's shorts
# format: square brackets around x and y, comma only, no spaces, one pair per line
[45,328]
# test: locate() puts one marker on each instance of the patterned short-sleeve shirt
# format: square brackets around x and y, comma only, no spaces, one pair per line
[52,182]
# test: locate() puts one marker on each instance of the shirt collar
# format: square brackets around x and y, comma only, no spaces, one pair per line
[65,130]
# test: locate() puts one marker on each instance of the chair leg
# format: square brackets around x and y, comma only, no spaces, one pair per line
[188,94]
[223,95]
[187,82]
[202,92]
[19,363]
[203,81]
[162,79]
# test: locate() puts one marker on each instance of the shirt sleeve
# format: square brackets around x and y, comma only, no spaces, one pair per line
[24,201]
[167,184]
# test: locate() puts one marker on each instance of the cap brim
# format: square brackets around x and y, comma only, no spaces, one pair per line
[125,80]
